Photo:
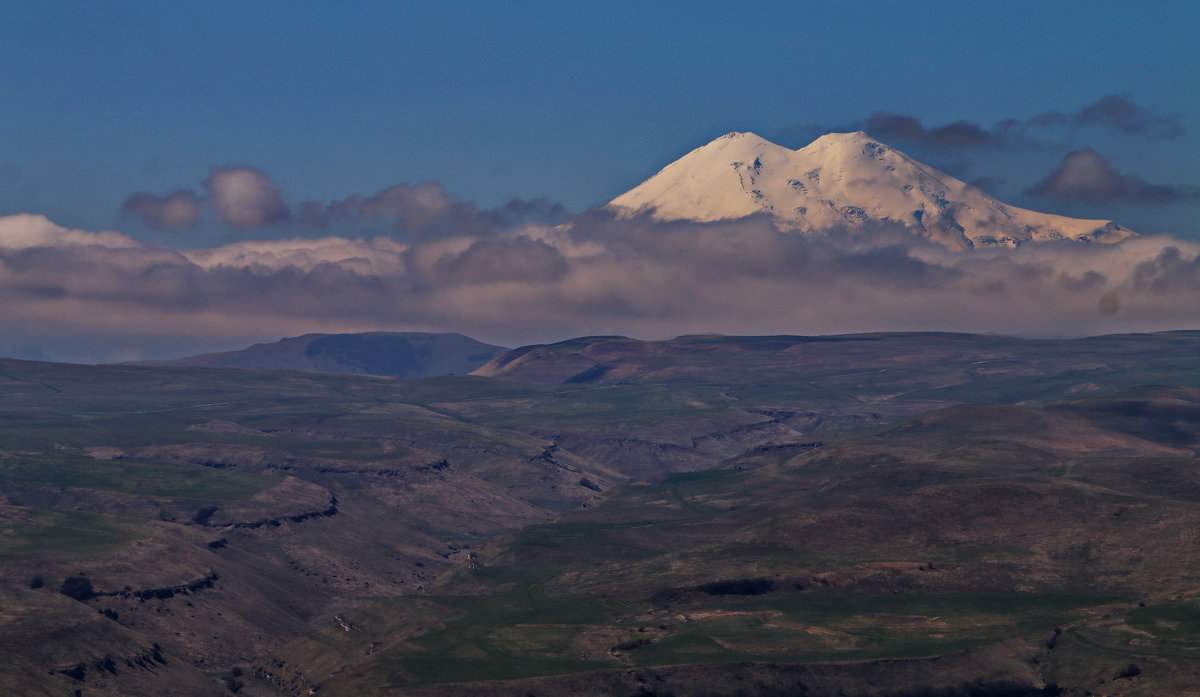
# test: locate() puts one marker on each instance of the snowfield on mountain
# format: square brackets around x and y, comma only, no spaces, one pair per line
[843,180]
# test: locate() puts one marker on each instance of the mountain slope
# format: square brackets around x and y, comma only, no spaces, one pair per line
[397,354]
[843,180]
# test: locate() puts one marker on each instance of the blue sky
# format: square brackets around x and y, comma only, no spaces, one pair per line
[563,100]
[182,177]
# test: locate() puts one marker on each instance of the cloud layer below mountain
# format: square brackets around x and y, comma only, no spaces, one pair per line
[83,295]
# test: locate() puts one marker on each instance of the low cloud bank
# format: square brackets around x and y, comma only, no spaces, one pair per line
[82,295]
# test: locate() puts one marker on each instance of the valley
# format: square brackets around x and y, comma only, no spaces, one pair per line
[812,509]
[1010,541]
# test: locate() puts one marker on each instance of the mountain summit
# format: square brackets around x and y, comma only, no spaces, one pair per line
[843,180]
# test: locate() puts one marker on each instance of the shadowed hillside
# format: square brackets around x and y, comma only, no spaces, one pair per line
[404,355]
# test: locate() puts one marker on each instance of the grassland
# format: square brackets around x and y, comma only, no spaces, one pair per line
[930,539]
[801,463]
[134,477]
[69,534]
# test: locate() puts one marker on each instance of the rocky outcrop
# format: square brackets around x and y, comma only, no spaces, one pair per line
[204,515]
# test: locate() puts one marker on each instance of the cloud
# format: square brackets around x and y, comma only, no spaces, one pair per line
[412,206]
[1117,113]
[1088,176]
[958,134]
[521,259]
[31,231]
[107,295]
[244,197]
[375,256]
[427,209]
[177,210]
[988,183]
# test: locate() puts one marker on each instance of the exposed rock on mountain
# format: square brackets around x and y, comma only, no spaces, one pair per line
[843,180]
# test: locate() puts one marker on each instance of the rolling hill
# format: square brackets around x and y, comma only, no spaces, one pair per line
[163,525]
[978,550]
[405,355]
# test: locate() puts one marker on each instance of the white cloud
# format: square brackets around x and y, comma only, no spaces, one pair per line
[380,255]
[28,230]
[245,197]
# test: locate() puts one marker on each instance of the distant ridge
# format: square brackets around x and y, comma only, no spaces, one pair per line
[843,180]
[711,358]
[406,355]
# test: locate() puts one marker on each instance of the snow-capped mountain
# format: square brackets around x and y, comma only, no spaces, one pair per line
[843,180]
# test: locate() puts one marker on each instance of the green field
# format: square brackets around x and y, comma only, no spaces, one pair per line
[134,477]
[67,534]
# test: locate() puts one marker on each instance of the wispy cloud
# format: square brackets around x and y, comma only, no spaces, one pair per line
[1114,113]
[428,208]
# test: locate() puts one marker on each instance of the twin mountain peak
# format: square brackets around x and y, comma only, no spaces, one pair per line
[843,181]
